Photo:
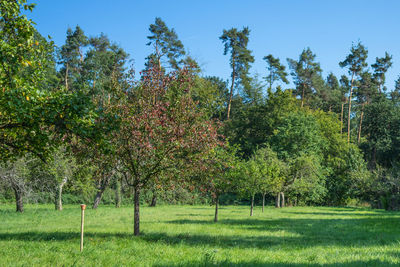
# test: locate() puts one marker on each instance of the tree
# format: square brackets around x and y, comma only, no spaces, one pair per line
[306,181]
[365,91]
[71,56]
[306,74]
[15,174]
[165,43]
[355,62]
[395,94]
[249,182]
[61,168]
[217,175]
[155,138]
[272,172]
[380,67]
[235,42]
[276,71]
[33,118]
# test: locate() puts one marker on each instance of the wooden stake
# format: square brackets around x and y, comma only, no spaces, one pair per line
[83,207]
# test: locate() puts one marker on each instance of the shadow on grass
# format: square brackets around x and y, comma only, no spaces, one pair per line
[272,264]
[310,232]
[286,232]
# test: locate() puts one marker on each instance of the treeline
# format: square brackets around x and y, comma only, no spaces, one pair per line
[79,120]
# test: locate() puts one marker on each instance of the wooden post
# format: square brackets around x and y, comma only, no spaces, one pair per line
[83,207]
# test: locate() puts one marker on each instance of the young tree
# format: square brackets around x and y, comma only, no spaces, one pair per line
[235,42]
[216,173]
[61,168]
[155,138]
[355,62]
[272,172]
[276,71]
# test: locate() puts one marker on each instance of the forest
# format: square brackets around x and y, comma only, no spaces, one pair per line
[79,124]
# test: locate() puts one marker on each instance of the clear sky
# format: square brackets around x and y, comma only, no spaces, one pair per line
[280,27]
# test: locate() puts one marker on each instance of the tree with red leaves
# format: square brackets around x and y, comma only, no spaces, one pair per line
[161,129]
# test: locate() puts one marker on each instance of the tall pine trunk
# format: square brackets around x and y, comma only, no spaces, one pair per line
[58,196]
[360,126]
[136,216]
[263,201]
[278,200]
[18,200]
[302,96]
[341,119]
[252,205]
[232,85]
[216,208]
[349,115]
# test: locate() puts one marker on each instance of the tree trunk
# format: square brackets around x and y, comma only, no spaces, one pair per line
[117,194]
[216,208]
[153,199]
[252,205]
[278,200]
[58,197]
[136,217]
[97,199]
[360,126]
[341,119]
[263,202]
[233,84]
[102,187]
[66,77]
[302,96]
[282,200]
[349,115]
[18,200]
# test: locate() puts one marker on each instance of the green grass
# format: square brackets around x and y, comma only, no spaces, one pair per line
[186,236]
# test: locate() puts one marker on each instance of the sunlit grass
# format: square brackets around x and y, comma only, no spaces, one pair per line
[187,236]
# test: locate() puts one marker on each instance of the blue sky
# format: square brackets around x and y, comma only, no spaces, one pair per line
[282,28]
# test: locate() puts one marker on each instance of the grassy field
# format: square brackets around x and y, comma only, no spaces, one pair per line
[186,236]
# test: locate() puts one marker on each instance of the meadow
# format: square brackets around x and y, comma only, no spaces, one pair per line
[187,236]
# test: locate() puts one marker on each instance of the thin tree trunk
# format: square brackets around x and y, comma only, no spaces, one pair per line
[302,97]
[341,119]
[117,194]
[252,205]
[216,208]
[361,120]
[136,217]
[263,201]
[233,84]
[154,199]
[66,76]
[58,197]
[18,200]
[282,199]
[349,115]
[278,200]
